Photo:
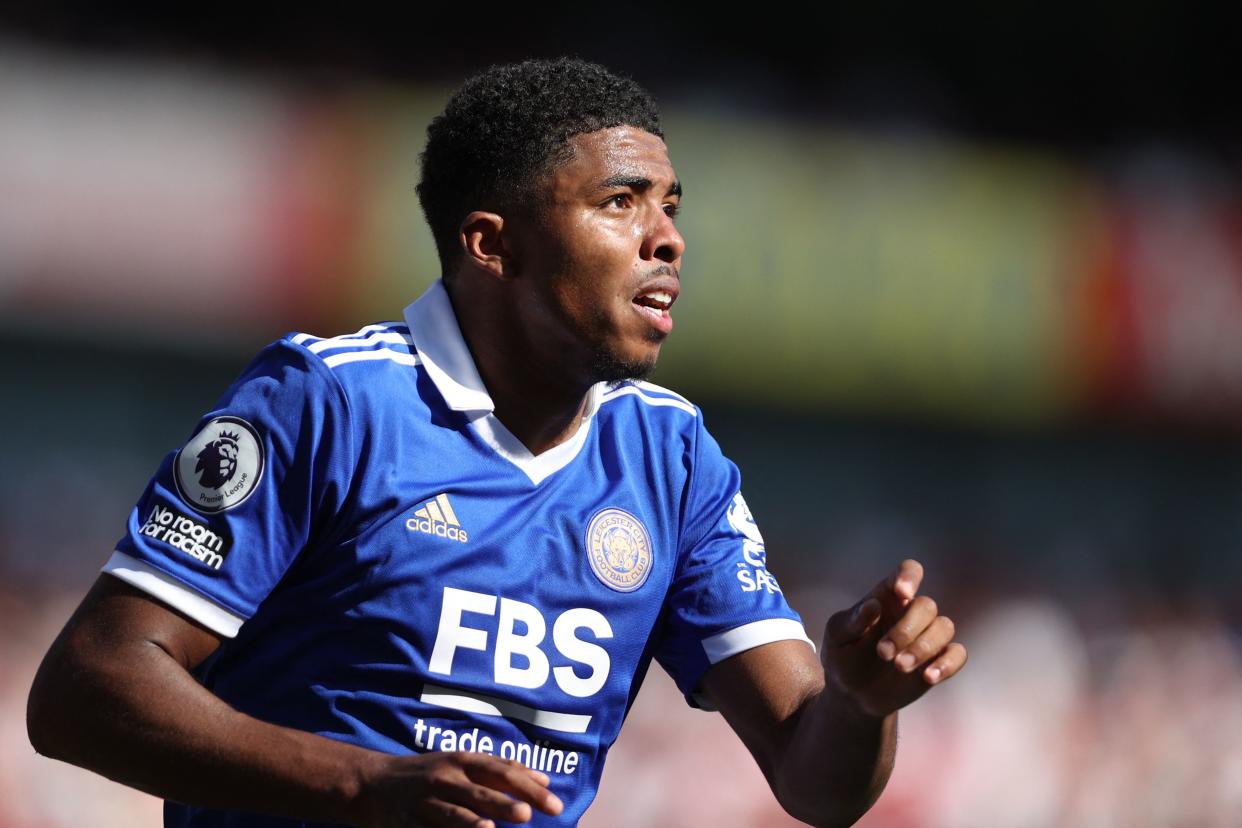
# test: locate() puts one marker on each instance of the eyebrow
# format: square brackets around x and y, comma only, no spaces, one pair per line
[636,182]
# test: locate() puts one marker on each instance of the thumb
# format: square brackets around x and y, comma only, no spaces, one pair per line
[850,625]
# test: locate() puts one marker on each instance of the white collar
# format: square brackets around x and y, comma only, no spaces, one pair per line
[443,352]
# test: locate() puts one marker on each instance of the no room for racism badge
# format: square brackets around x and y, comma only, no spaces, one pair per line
[220,466]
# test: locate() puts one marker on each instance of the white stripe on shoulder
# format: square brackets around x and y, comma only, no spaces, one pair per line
[353,338]
[399,327]
[660,390]
[369,356]
[634,390]
[394,337]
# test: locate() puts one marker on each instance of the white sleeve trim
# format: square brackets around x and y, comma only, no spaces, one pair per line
[174,593]
[748,636]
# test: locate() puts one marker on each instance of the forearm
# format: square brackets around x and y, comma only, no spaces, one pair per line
[836,762]
[824,730]
[132,713]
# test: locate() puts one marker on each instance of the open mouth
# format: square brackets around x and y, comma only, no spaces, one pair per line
[655,303]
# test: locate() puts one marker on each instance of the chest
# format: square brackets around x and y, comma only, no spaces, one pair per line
[493,581]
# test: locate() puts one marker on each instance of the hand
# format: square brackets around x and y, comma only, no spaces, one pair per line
[461,790]
[891,647]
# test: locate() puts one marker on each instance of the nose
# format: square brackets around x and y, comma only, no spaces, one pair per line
[663,242]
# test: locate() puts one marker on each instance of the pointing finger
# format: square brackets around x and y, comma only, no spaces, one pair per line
[899,587]
[907,578]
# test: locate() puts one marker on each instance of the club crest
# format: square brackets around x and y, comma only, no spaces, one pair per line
[619,549]
[220,466]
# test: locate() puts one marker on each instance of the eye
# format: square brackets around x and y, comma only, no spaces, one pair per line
[619,200]
[672,210]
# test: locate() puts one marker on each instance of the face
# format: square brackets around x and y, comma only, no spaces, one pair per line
[602,259]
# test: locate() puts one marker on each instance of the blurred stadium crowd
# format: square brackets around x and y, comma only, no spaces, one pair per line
[1011,351]
[1130,725]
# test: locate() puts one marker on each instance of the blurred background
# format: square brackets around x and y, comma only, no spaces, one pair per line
[961,287]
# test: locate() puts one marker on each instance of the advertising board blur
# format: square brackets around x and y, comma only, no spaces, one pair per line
[902,273]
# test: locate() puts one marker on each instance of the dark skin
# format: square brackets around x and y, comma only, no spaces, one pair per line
[115,695]
[550,301]
[542,293]
[877,656]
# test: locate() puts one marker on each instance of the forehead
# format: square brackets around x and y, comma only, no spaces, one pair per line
[606,153]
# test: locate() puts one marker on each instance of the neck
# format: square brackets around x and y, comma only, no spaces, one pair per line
[536,400]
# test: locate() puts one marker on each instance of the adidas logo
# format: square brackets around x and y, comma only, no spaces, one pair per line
[437,518]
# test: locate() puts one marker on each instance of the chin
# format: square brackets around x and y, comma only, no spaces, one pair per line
[615,368]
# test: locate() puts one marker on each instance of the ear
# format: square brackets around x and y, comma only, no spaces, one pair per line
[482,240]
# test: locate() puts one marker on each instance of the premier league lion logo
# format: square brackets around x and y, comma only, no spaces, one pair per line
[221,465]
[217,462]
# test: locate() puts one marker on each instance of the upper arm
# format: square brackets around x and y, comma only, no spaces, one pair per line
[761,693]
[114,615]
[722,600]
[264,477]
[117,636]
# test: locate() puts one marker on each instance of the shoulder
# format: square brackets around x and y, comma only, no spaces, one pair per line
[675,428]
[378,346]
[352,372]
[638,410]
[648,399]
[660,427]
[373,363]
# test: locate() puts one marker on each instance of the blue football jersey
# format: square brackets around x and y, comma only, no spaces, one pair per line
[390,567]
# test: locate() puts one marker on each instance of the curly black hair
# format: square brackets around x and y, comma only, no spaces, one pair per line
[507,125]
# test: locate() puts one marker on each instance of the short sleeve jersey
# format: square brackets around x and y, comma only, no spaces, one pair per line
[390,567]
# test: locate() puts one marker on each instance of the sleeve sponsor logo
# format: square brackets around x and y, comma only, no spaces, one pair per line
[752,570]
[742,521]
[221,465]
[186,534]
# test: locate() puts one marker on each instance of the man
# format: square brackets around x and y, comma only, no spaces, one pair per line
[415,575]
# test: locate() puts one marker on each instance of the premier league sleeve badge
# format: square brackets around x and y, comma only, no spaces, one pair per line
[221,465]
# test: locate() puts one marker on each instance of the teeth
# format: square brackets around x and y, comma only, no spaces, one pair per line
[656,298]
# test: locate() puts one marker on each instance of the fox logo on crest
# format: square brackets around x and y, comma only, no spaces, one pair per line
[618,549]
